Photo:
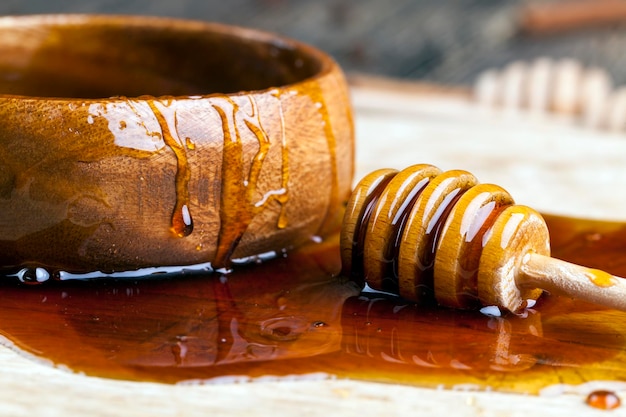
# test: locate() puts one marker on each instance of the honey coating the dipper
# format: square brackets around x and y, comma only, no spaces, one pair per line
[420,232]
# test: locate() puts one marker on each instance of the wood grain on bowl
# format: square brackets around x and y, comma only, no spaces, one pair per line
[130,142]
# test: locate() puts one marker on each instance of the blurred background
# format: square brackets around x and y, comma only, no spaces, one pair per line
[443,41]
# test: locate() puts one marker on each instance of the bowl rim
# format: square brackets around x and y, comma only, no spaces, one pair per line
[327,65]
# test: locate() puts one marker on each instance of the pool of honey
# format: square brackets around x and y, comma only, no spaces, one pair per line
[294,316]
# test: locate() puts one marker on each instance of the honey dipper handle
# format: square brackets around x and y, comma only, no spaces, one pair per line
[560,277]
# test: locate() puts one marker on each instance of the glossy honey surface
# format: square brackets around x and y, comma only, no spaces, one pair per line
[294,316]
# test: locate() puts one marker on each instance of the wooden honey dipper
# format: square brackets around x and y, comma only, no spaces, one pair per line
[422,232]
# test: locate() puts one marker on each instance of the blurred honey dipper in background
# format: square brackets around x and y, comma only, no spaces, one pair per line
[562,87]
[539,18]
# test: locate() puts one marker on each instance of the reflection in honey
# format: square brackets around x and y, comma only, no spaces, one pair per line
[293,316]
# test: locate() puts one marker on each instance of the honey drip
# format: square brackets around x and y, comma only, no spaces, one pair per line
[182,222]
[318,96]
[238,206]
[293,316]
[282,199]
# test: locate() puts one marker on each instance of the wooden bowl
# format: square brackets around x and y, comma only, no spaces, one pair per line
[130,142]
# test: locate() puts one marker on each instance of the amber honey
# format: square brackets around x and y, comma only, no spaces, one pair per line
[604,400]
[295,316]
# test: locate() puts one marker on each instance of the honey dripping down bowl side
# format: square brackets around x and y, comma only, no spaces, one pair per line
[134,142]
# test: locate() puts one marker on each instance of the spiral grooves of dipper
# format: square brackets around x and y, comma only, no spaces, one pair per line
[419,233]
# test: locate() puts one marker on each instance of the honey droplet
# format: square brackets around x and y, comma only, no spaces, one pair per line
[182,223]
[604,400]
[281,302]
[179,351]
[601,278]
[190,145]
[33,276]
